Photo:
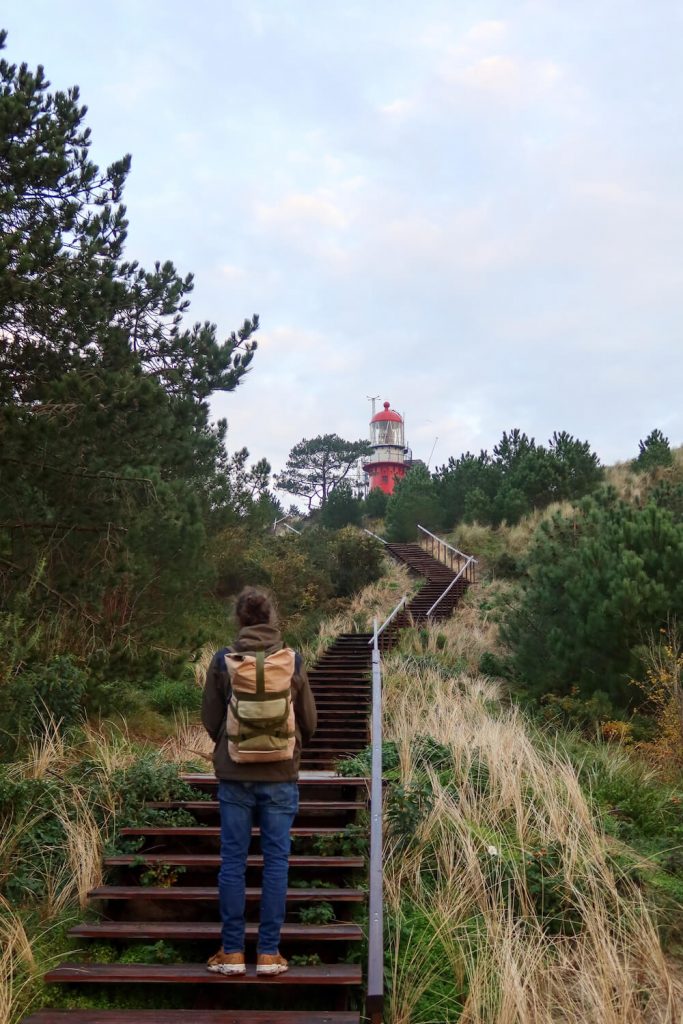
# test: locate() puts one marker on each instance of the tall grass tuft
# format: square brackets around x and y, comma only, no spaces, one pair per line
[530,921]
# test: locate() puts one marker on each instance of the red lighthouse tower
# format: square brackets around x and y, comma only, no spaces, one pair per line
[387,464]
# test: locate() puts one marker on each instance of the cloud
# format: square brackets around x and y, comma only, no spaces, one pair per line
[230,272]
[506,79]
[300,211]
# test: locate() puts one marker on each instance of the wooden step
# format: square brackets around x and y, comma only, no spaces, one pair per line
[195,1016]
[209,893]
[213,831]
[210,860]
[197,974]
[205,779]
[305,807]
[211,931]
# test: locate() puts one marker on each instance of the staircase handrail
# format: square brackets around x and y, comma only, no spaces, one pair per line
[387,621]
[283,522]
[439,540]
[455,579]
[374,1000]
[375,535]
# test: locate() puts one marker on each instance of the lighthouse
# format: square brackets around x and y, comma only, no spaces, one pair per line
[387,464]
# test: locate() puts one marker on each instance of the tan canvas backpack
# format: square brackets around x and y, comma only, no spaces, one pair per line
[260,722]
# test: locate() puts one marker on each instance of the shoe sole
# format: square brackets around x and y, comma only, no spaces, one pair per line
[275,969]
[226,969]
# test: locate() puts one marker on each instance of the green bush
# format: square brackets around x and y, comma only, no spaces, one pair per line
[375,505]
[351,558]
[415,500]
[56,689]
[652,452]
[172,695]
[599,579]
[341,508]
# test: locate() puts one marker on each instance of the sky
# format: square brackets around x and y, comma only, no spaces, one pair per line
[472,210]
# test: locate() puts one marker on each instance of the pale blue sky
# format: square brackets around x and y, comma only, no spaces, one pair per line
[471,209]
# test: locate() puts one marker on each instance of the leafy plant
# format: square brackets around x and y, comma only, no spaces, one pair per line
[163,875]
[317,913]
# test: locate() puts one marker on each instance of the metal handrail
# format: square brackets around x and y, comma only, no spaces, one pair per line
[365,529]
[451,584]
[460,554]
[387,621]
[286,525]
[374,1000]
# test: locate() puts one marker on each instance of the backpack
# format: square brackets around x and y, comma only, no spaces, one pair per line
[260,720]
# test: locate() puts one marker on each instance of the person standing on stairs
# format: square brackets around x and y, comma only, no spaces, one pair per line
[258,709]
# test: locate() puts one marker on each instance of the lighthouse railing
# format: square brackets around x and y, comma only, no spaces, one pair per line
[376,536]
[448,554]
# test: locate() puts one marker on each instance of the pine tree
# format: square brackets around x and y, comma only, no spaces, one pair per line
[414,501]
[599,581]
[341,508]
[317,466]
[653,451]
[110,471]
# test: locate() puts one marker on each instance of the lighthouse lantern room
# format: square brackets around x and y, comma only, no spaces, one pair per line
[387,464]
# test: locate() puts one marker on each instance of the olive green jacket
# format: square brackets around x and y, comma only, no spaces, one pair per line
[215,708]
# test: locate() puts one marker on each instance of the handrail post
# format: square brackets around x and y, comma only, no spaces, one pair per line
[374,1001]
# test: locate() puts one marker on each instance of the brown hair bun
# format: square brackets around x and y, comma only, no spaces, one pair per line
[255,607]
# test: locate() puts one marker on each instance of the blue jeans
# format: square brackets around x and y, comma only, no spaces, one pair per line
[273,806]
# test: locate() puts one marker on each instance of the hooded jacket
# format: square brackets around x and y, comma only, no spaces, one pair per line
[262,637]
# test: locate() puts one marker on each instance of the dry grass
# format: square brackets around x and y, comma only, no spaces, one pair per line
[462,639]
[635,487]
[83,850]
[189,742]
[16,956]
[474,846]
[200,665]
[46,754]
[376,600]
[19,966]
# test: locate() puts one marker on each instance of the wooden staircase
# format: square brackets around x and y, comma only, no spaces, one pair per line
[438,577]
[324,928]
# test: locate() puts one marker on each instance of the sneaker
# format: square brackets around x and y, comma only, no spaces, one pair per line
[271,963]
[226,963]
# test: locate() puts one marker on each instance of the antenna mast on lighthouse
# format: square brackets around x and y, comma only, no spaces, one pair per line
[373,399]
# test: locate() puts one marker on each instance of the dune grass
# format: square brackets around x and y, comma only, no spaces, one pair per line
[518,909]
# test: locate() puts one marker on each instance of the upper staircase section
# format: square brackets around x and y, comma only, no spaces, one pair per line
[434,600]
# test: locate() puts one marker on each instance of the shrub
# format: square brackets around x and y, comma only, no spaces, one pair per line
[414,501]
[375,505]
[663,687]
[355,560]
[171,695]
[597,578]
[341,508]
[56,689]
[652,452]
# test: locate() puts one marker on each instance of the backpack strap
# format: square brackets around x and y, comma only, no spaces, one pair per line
[260,673]
[298,662]
[221,663]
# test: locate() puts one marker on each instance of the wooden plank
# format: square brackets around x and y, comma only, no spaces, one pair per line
[319,780]
[211,930]
[195,1016]
[213,831]
[210,892]
[305,807]
[197,974]
[213,860]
